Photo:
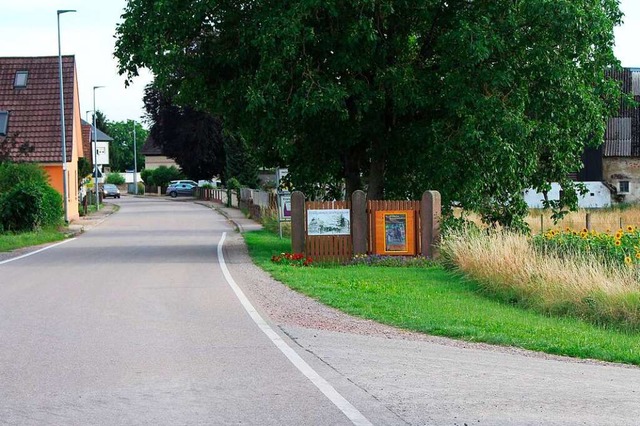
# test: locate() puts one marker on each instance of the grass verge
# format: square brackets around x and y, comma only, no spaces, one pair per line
[10,242]
[438,302]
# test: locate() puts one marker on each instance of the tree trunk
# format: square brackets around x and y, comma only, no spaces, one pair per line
[353,180]
[375,191]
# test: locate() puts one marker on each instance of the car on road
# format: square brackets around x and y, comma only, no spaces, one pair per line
[110,190]
[192,182]
[180,189]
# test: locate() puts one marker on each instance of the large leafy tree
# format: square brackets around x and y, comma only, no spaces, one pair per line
[192,137]
[121,149]
[477,99]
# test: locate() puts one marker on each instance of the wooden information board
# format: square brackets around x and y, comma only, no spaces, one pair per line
[395,232]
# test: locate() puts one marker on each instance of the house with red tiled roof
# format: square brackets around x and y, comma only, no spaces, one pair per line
[30,113]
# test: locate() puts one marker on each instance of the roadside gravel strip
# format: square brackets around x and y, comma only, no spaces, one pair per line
[288,308]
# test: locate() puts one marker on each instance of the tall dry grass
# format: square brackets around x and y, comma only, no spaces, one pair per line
[507,266]
[601,220]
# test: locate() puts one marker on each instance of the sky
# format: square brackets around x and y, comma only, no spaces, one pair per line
[29,28]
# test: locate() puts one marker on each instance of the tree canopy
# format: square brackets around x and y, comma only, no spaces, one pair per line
[193,138]
[121,149]
[477,99]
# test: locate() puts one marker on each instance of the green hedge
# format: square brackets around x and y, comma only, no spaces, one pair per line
[29,206]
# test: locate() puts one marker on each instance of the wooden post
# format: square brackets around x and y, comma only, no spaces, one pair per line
[359,222]
[297,222]
[588,220]
[431,210]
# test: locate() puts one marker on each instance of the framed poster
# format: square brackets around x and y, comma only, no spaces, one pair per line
[284,206]
[395,232]
[329,222]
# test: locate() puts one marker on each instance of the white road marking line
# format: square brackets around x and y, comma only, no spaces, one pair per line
[329,391]
[36,252]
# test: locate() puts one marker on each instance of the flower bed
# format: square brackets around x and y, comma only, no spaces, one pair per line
[621,247]
[292,259]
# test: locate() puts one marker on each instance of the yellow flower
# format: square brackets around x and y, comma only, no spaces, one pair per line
[584,235]
[630,228]
[585,230]
[608,230]
[638,256]
[618,243]
[627,260]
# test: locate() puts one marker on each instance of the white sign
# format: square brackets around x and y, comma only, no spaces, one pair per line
[285,207]
[329,222]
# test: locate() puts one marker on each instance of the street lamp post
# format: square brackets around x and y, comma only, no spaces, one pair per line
[95,149]
[65,194]
[135,161]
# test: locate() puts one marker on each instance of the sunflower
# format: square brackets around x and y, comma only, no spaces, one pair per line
[627,260]
[618,243]
[630,228]
[638,255]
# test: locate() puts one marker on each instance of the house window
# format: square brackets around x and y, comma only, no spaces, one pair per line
[623,186]
[4,121]
[635,83]
[21,79]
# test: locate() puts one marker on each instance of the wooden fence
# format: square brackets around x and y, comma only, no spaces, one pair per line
[362,240]
[336,248]
[257,203]
[383,205]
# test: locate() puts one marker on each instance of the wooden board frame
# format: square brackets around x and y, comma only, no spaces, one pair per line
[395,232]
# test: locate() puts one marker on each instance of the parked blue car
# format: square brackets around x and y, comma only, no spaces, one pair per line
[180,189]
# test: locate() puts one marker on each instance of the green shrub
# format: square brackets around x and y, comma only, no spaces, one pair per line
[163,175]
[233,183]
[115,178]
[29,206]
[52,208]
[147,177]
[13,173]
[21,207]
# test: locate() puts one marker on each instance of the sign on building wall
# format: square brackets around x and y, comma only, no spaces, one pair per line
[102,149]
[395,232]
[329,222]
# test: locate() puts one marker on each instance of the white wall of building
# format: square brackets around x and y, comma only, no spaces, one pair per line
[598,196]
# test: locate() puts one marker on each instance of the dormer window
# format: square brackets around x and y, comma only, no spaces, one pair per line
[21,79]
[4,120]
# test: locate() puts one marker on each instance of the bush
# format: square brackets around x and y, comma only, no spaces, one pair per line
[21,208]
[52,208]
[163,175]
[233,183]
[147,177]
[115,178]
[13,173]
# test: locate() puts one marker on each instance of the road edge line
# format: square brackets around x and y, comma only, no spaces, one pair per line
[325,387]
[36,252]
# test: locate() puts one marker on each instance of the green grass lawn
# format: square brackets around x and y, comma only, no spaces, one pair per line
[438,302]
[10,242]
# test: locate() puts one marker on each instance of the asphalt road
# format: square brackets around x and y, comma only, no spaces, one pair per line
[134,323]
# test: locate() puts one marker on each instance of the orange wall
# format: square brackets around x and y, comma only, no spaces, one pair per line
[54,171]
